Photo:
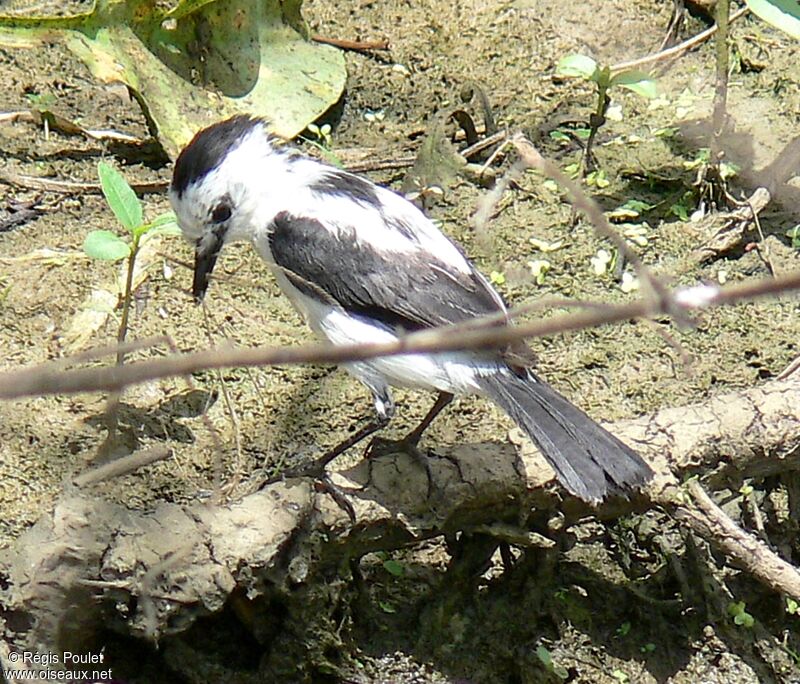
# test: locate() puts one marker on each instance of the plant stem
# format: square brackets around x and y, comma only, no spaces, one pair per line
[597,119]
[721,91]
[713,187]
[112,406]
[126,301]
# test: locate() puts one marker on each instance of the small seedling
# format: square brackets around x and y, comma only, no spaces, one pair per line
[794,235]
[598,179]
[621,676]
[581,66]
[43,103]
[683,207]
[322,134]
[108,246]
[539,269]
[792,607]
[632,209]
[387,607]
[738,611]
[497,278]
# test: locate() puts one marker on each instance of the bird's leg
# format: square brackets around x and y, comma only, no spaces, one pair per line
[317,467]
[413,437]
[411,440]
[385,410]
[384,406]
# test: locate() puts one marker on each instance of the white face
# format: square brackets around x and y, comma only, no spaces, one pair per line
[224,202]
[219,188]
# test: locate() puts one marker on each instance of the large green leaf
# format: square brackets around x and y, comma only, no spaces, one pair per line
[782,14]
[199,61]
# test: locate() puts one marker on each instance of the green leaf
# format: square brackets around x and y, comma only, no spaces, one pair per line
[200,62]
[103,244]
[782,14]
[577,66]
[166,224]
[393,568]
[638,82]
[120,196]
[497,278]
[794,235]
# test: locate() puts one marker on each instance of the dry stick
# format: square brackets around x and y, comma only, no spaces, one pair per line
[711,522]
[580,201]
[677,49]
[72,187]
[45,380]
[357,45]
[109,349]
[77,188]
[231,411]
[123,466]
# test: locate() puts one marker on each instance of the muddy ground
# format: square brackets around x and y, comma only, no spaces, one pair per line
[579,606]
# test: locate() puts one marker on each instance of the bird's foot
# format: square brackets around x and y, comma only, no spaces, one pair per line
[379,447]
[321,482]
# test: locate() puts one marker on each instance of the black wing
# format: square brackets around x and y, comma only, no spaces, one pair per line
[410,291]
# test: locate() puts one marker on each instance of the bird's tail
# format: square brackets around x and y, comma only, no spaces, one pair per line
[589,461]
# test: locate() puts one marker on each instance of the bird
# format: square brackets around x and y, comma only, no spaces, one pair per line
[362,264]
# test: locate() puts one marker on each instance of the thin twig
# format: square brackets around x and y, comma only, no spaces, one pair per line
[71,187]
[123,466]
[355,45]
[481,145]
[677,49]
[46,379]
[581,202]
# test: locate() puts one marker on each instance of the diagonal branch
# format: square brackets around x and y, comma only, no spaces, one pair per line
[52,379]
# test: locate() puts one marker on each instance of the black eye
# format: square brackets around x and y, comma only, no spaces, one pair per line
[221,213]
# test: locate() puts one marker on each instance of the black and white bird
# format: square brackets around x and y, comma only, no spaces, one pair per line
[363,265]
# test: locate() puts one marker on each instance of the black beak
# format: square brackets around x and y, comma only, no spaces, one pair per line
[204,260]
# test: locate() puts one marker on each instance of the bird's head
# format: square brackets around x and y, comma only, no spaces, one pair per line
[214,189]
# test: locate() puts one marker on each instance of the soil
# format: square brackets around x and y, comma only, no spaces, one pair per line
[568,615]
